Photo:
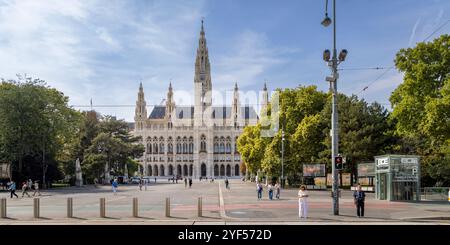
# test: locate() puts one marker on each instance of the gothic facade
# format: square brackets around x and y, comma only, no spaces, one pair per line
[198,140]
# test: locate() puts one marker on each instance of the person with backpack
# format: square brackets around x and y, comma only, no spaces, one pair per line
[12,189]
[114,186]
[259,190]
[270,190]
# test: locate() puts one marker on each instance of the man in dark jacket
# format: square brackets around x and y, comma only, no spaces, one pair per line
[359,197]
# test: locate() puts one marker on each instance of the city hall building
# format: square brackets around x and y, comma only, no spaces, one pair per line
[198,140]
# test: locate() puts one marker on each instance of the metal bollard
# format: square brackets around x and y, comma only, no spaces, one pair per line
[69,207]
[102,207]
[200,207]
[3,208]
[135,207]
[36,208]
[167,207]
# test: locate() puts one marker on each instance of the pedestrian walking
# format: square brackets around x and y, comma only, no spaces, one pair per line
[95,182]
[114,186]
[12,189]
[277,189]
[359,198]
[36,188]
[155,180]
[227,183]
[259,189]
[146,183]
[185,182]
[25,189]
[270,190]
[140,184]
[29,184]
[302,202]
[190,182]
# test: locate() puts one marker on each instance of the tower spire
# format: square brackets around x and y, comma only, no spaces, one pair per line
[202,79]
[202,31]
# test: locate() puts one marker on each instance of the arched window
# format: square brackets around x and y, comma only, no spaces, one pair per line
[170,170]
[155,170]
[236,170]
[222,170]
[149,170]
[161,148]
[228,148]
[185,150]
[216,148]
[203,170]
[149,148]
[216,170]
[155,147]
[161,170]
[170,148]
[222,148]
[203,144]
[228,170]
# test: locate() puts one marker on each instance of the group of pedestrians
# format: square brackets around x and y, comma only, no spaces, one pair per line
[26,187]
[143,182]
[187,181]
[303,195]
[270,189]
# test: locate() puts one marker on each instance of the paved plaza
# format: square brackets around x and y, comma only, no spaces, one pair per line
[237,205]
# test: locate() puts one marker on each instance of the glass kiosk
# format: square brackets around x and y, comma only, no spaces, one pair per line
[397,177]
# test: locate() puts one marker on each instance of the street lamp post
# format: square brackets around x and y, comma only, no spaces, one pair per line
[282,158]
[333,63]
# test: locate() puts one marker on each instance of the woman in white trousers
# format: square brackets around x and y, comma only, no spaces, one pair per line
[302,202]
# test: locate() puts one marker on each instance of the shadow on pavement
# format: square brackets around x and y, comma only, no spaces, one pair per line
[210,217]
[176,217]
[79,218]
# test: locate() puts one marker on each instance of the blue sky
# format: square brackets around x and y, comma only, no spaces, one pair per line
[102,49]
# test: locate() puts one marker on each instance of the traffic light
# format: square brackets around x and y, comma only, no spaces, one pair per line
[338,163]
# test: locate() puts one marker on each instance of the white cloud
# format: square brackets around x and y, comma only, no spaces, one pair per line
[105,36]
[100,49]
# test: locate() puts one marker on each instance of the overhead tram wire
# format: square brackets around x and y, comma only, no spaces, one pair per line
[389,68]
[362,68]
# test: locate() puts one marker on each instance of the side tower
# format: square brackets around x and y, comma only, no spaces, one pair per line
[140,113]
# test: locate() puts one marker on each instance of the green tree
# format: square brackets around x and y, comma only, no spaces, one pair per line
[363,131]
[113,147]
[36,125]
[421,107]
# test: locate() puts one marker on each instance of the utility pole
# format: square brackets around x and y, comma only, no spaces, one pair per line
[282,158]
[333,63]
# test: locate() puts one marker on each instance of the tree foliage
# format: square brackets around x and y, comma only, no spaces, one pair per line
[36,127]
